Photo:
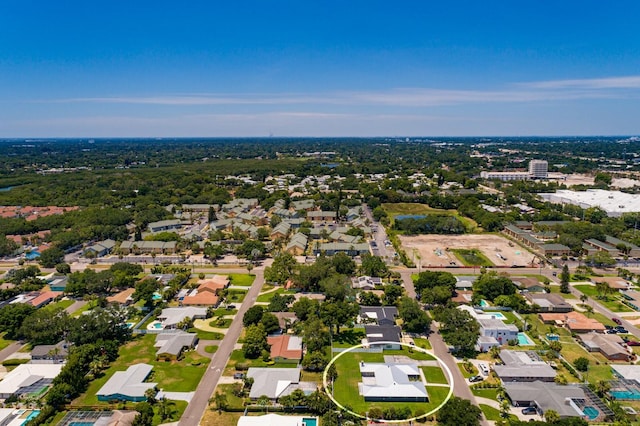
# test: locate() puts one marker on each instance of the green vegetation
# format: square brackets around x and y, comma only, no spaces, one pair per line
[62,304]
[266,297]
[610,301]
[176,376]
[210,349]
[471,257]
[434,375]
[242,280]
[206,335]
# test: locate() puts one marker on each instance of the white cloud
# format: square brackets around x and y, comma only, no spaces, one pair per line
[629,82]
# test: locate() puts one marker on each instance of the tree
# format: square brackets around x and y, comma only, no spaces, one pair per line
[373,266]
[338,313]
[281,269]
[211,217]
[415,320]
[458,328]
[314,361]
[565,276]
[431,279]
[391,294]
[314,335]
[367,298]
[439,295]
[63,268]
[457,412]
[220,401]
[581,364]
[602,388]
[551,416]
[145,290]
[255,341]
[343,264]
[7,246]
[555,346]
[280,303]
[491,285]
[494,352]
[45,326]
[253,315]
[305,308]
[50,257]
[11,318]
[270,323]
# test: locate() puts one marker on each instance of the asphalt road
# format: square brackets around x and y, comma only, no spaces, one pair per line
[196,408]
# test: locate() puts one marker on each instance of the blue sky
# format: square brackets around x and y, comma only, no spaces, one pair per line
[318,68]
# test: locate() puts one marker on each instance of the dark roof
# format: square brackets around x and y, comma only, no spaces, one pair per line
[382,333]
[381,314]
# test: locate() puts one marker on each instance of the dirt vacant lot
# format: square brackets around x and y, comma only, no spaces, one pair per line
[432,249]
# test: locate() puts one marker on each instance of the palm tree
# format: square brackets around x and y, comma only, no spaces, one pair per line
[583,298]
[494,352]
[602,387]
[589,310]
[551,416]
[220,401]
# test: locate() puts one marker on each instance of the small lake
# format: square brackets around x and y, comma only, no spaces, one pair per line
[410,216]
[6,188]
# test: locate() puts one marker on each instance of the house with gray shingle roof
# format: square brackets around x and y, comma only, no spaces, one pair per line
[128,385]
[171,345]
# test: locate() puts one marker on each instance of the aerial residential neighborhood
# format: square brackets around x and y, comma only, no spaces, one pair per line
[313,299]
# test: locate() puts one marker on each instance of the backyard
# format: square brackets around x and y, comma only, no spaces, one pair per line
[177,376]
[241,280]
[611,302]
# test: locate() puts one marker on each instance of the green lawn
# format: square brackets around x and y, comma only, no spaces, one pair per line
[267,296]
[63,304]
[489,393]
[346,386]
[237,356]
[471,257]
[466,373]
[176,376]
[90,305]
[348,337]
[493,414]
[422,343]
[221,323]
[3,342]
[611,302]
[210,349]
[224,311]
[235,296]
[434,375]
[206,335]
[243,280]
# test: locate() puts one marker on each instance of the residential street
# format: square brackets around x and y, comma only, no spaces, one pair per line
[196,408]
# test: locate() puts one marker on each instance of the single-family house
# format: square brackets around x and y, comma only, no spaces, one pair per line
[277,382]
[390,382]
[609,345]
[171,345]
[272,419]
[123,298]
[44,298]
[523,366]
[285,348]
[366,282]
[50,354]
[503,333]
[566,400]
[529,284]
[29,378]
[128,385]
[381,315]
[574,321]
[171,317]
[384,336]
[549,302]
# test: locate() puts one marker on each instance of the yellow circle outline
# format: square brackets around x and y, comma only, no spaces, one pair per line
[442,365]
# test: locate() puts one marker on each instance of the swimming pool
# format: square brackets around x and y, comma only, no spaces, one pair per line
[484,303]
[590,412]
[32,415]
[156,296]
[496,315]
[524,340]
[629,395]
[309,421]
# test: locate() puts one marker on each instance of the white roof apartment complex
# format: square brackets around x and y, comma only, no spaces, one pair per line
[614,203]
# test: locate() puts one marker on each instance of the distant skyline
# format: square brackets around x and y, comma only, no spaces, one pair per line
[296,68]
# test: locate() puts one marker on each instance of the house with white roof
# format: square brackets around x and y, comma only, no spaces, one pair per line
[171,317]
[277,420]
[27,378]
[392,382]
[277,382]
[128,385]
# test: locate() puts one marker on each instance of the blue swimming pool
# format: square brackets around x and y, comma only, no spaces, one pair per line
[484,303]
[309,421]
[628,395]
[590,412]
[32,415]
[497,315]
[524,340]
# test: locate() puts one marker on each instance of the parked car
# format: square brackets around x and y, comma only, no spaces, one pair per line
[474,379]
[613,331]
[483,369]
[608,327]
[617,321]
[622,330]
[231,307]
[632,343]
[529,410]
[238,376]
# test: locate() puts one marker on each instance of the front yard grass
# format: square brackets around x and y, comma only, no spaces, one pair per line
[206,335]
[422,343]
[465,373]
[63,304]
[489,393]
[434,375]
[613,302]
[221,323]
[235,296]
[266,297]
[177,376]
[346,386]
[242,280]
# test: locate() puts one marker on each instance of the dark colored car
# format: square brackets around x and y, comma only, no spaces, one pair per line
[613,331]
[617,321]
[474,379]
[230,307]
[529,410]
[622,330]
[633,343]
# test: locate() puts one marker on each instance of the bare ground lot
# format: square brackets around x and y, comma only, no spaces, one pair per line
[432,249]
